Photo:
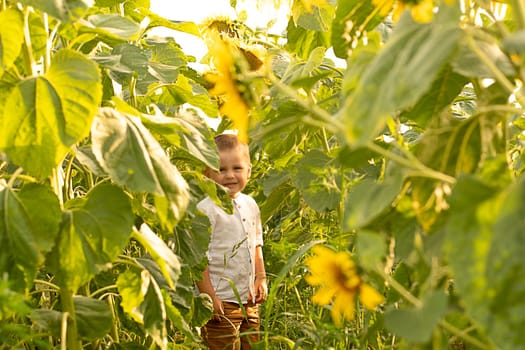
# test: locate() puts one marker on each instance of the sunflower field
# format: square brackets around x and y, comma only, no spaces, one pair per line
[392,190]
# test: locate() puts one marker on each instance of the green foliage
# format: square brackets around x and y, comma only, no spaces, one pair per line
[410,157]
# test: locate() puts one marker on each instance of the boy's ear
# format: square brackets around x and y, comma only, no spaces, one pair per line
[249,170]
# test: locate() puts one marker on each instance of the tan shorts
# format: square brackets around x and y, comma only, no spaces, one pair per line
[233,331]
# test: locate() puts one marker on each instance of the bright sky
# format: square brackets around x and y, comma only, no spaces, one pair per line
[258,12]
[199,10]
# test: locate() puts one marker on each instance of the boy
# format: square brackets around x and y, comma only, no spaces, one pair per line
[234,254]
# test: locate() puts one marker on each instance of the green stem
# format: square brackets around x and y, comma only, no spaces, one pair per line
[116,321]
[13,178]
[47,283]
[31,63]
[67,178]
[412,163]
[68,307]
[56,183]
[132,92]
[498,74]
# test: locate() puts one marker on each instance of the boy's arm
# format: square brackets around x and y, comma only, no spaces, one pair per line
[260,285]
[205,286]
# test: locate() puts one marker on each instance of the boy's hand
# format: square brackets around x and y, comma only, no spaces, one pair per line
[261,290]
[218,309]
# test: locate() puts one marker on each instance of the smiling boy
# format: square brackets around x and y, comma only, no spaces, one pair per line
[234,254]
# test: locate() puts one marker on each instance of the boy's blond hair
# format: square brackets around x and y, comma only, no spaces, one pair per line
[230,141]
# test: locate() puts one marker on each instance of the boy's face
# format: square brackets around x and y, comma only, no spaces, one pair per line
[234,172]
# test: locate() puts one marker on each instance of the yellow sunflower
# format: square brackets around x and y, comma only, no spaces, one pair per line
[421,10]
[224,85]
[336,275]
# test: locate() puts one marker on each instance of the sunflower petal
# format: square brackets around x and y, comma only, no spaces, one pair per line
[323,296]
[369,297]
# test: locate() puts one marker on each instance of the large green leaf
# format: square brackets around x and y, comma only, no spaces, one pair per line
[400,74]
[441,94]
[113,27]
[93,316]
[132,287]
[371,249]
[485,249]
[155,315]
[127,151]
[29,224]
[142,298]
[366,200]
[94,231]
[44,116]
[319,180]
[188,134]
[11,37]
[192,244]
[303,41]
[417,324]
[175,316]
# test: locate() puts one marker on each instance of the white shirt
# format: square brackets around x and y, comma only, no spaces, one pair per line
[231,251]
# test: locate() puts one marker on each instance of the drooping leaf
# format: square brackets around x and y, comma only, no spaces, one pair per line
[188,134]
[163,256]
[44,116]
[124,62]
[175,316]
[94,317]
[484,245]
[29,224]
[400,74]
[127,151]
[192,244]
[155,315]
[202,309]
[132,287]
[94,231]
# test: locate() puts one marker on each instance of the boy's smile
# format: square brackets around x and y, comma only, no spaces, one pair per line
[234,171]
